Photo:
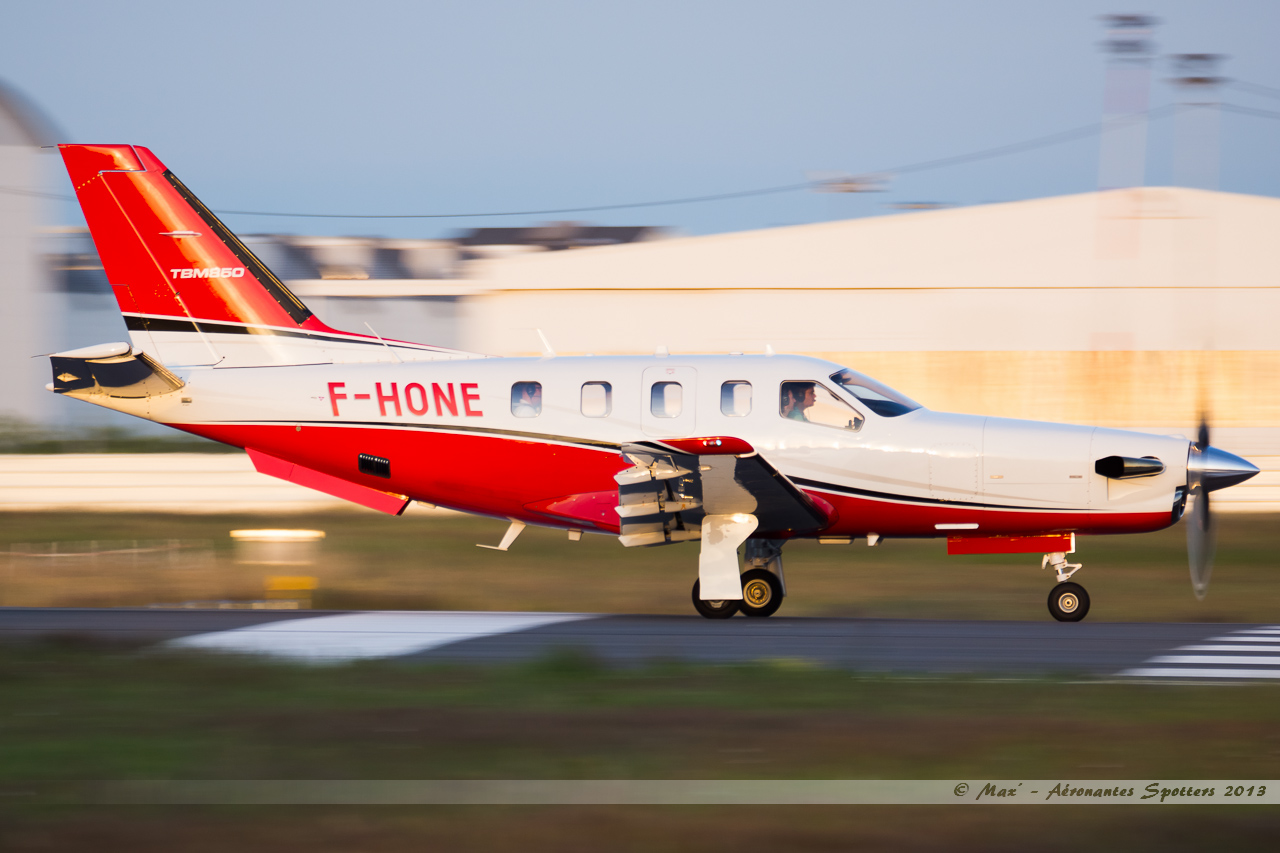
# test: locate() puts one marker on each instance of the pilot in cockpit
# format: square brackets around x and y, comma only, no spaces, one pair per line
[797,398]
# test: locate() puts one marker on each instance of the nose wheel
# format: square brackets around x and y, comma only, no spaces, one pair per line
[1068,602]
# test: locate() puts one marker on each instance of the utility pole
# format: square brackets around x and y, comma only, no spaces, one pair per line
[1195,161]
[1127,90]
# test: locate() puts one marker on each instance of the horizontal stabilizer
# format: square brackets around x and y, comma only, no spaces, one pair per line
[110,370]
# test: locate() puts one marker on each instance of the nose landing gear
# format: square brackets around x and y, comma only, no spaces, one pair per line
[1068,602]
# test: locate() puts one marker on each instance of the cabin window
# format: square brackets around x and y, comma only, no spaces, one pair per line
[666,399]
[597,399]
[813,403]
[735,399]
[526,399]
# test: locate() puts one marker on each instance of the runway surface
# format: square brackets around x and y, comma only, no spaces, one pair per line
[1160,651]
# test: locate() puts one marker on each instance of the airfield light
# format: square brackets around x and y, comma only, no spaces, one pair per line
[271,547]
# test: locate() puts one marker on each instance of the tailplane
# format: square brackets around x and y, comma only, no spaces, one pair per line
[191,292]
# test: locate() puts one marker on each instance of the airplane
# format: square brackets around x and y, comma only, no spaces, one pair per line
[730,451]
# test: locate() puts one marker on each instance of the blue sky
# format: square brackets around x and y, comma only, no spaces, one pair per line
[439,107]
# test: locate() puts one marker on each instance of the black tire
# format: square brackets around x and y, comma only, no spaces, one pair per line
[1068,602]
[713,609]
[761,593]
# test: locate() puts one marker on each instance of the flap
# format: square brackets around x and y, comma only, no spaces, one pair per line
[666,494]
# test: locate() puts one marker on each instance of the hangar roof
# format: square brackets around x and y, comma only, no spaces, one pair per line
[1145,237]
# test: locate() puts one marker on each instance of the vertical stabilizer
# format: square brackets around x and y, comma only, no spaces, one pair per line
[191,292]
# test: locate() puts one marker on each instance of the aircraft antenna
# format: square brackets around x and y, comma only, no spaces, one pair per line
[394,354]
[547,350]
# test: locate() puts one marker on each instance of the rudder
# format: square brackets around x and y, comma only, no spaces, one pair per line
[168,259]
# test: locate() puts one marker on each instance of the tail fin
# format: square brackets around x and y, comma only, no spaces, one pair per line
[191,292]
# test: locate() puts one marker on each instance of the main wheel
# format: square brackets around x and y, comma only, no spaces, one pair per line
[713,609]
[761,593]
[1068,602]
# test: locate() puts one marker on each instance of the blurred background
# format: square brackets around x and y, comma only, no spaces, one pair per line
[1064,213]
[1057,211]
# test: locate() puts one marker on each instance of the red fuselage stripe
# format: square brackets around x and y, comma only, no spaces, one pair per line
[509,477]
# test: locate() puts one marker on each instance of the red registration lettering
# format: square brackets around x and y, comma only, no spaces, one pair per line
[334,396]
[421,407]
[383,399]
[468,397]
[447,401]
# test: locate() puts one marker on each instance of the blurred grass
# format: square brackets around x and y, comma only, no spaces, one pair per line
[630,829]
[421,561]
[81,712]
[72,712]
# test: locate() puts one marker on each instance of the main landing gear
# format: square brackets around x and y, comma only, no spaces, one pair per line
[761,596]
[763,585]
[1068,602]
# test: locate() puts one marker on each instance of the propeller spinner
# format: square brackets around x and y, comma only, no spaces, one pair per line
[1208,469]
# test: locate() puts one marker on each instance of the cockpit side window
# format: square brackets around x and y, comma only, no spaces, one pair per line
[813,402]
[526,399]
[879,398]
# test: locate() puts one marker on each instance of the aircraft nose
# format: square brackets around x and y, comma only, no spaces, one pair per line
[1216,469]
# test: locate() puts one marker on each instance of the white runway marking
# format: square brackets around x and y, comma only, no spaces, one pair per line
[1223,648]
[1235,656]
[354,636]
[1201,673]
[1269,660]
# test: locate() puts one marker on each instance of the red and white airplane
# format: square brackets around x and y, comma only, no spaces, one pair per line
[723,450]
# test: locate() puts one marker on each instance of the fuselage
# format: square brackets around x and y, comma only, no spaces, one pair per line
[465,433]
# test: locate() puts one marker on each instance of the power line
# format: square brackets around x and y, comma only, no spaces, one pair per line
[35,193]
[1049,140]
[1250,111]
[1255,88]
[1040,142]
[691,200]
[973,156]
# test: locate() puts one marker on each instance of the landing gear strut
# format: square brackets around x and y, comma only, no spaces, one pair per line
[1068,602]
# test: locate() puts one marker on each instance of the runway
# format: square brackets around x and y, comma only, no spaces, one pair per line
[1159,651]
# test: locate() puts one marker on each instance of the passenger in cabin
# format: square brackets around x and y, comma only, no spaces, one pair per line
[797,398]
[526,399]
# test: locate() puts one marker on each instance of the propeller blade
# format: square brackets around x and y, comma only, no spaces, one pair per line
[1202,434]
[1201,543]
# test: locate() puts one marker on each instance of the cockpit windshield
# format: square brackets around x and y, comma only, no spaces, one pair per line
[881,399]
